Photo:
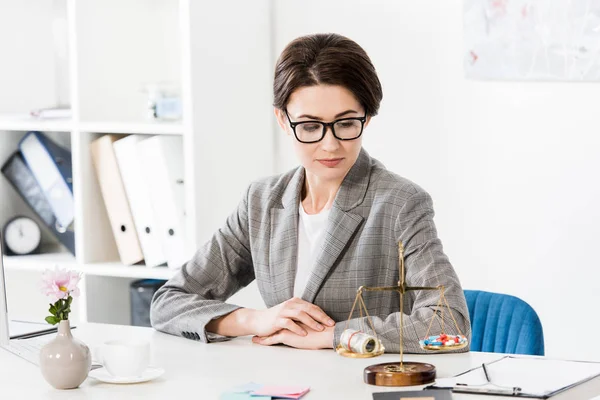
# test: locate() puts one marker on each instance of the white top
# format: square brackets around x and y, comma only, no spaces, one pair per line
[311,229]
[192,367]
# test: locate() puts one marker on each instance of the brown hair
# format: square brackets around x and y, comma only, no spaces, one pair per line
[329,59]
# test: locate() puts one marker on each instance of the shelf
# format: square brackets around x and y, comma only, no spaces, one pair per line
[27,123]
[40,262]
[141,128]
[117,269]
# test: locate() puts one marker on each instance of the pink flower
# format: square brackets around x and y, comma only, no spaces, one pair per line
[60,283]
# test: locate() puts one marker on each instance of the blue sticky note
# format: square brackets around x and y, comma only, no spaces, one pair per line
[242,396]
[246,387]
[243,392]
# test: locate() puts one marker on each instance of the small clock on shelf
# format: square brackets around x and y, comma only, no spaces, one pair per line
[21,236]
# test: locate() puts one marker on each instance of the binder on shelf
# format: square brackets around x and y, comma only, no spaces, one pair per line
[115,200]
[162,163]
[138,194]
[20,177]
[50,164]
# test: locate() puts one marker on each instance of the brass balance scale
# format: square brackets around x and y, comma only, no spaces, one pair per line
[402,373]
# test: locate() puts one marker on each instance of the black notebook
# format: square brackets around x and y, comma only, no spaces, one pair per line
[414,394]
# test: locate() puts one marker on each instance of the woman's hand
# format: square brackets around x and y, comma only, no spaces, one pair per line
[294,316]
[312,341]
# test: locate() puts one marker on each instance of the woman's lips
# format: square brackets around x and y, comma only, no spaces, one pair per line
[330,162]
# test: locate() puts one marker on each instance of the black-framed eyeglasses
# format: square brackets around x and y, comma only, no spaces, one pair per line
[314,131]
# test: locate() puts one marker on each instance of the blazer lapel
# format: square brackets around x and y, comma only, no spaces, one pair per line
[283,249]
[342,223]
[340,229]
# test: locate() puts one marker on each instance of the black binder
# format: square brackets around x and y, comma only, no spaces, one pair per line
[18,174]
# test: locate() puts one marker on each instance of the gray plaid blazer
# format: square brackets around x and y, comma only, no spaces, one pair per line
[373,210]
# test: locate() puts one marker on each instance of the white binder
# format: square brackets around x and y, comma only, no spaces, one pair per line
[163,165]
[138,194]
[115,200]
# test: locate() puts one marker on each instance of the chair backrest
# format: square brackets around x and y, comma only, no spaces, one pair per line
[501,323]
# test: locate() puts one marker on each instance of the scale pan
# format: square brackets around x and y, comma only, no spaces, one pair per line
[444,342]
[350,354]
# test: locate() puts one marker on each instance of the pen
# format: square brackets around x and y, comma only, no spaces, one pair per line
[515,389]
[485,371]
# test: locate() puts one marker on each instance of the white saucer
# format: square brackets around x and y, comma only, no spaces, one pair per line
[102,375]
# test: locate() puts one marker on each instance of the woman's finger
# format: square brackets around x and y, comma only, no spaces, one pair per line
[301,316]
[317,314]
[286,323]
[296,305]
[266,341]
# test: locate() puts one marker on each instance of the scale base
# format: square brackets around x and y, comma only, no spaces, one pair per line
[390,374]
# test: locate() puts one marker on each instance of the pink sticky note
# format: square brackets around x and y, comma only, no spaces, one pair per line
[284,392]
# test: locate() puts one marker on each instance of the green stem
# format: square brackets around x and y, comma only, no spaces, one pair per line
[61,309]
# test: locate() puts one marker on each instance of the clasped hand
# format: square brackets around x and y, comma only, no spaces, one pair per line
[296,323]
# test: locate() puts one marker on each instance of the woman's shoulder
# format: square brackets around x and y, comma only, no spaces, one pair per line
[390,185]
[271,188]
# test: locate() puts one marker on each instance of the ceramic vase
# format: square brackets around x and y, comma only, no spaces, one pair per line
[65,361]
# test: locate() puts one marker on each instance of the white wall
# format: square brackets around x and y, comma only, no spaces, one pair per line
[512,167]
[231,77]
[115,38]
[34,70]
[231,72]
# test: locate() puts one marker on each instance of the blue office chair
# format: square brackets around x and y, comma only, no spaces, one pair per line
[502,323]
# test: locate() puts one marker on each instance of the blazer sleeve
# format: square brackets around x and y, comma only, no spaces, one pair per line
[425,265]
[186,303]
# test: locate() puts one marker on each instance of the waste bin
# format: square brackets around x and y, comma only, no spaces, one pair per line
[141,292]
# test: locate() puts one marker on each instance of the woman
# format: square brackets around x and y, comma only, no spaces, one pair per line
[311,237]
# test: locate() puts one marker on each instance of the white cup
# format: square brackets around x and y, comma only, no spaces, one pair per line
[123,358]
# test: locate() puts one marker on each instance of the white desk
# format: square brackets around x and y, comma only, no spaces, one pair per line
[203,371]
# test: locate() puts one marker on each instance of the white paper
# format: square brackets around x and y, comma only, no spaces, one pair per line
[532,40]
[535,376]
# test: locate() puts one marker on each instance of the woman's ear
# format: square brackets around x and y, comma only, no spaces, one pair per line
[281,120]
[367,121]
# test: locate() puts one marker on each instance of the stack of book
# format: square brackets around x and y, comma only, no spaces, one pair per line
[141,181]
[40,171]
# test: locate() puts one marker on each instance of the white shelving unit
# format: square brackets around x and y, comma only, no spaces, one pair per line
[97,56]
[139,128]
[25,123]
